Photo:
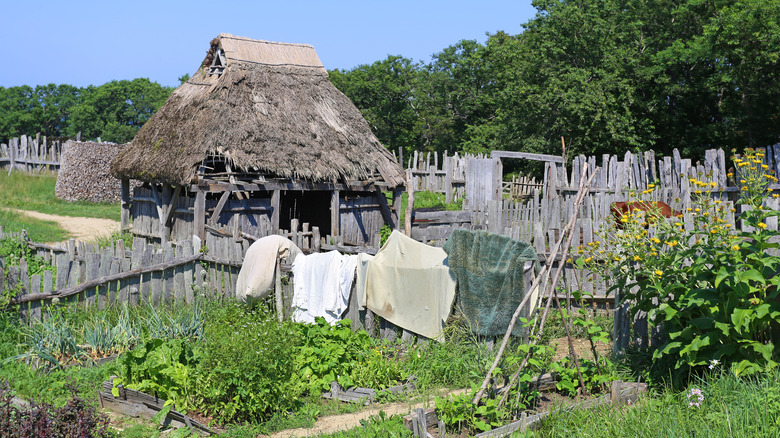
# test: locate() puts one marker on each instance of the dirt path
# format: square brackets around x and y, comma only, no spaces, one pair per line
[335,423]
[80,228]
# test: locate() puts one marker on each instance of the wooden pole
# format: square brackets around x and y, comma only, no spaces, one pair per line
[335,214]
[125,195]
[409,203]
[275,210]
[566,232]
[200,215]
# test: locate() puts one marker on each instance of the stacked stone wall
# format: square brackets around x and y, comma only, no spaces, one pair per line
[84,172]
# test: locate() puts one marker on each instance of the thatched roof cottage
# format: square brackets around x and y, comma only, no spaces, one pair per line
[259,137]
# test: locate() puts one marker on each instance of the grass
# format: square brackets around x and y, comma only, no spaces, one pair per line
[425,200]
[37,230]
[731,406]
[36,192]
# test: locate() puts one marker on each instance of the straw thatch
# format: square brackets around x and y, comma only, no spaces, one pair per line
[271,111]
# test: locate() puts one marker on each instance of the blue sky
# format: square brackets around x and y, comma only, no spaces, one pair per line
[92,42]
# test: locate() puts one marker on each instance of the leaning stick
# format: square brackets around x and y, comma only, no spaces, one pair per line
[550,258]
[569,236]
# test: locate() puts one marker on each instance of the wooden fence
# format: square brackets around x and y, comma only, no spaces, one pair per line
[449,178]
[156,274]
[31,154]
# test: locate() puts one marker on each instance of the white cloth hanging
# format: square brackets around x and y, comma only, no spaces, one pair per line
[321,286]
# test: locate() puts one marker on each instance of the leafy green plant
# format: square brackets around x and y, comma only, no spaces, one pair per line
[160,367]
[384,234]
[379,368]
[247,364]
[569,382]
[457,412]
[377,426]
[711,288]
[329,354]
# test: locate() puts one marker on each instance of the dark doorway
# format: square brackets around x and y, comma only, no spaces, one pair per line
[309,206]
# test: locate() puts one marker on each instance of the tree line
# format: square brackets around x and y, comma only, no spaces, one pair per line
[114,111]
[607,75]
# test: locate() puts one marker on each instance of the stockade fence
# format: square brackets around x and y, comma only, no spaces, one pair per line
[449,178]
[31,154]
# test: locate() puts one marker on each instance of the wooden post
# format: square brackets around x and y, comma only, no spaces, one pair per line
[386,214]
[397,196]
[335,214]
[275,211]
[200,215]
[278,291]
[125,194]
[409,203]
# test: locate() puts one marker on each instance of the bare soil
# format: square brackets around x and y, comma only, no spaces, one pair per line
[80,228]
[335,423]
[581,347]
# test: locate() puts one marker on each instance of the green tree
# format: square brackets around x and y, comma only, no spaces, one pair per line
[571,73]
[18,108]
[115,111]
[55,103]
[454,92]
[384,93]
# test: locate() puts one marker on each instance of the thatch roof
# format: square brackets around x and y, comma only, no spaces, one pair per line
[273,110]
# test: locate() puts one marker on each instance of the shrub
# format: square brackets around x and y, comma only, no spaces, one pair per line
[246,364]
[713,289]
[76,419]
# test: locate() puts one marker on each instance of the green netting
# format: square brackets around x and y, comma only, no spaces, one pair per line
[491,283]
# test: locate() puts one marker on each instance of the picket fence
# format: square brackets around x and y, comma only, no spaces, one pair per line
[153,274]
[31,154]
[449,178]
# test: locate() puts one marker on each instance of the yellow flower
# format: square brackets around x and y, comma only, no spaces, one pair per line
[761,225]
[637,258]
[735,247]
[659,273]
[713,184]
[587,260]
[655,240]
[651,186]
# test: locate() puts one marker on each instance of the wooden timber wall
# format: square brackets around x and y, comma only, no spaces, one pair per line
[251,216]
[360,217]
[31,154]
